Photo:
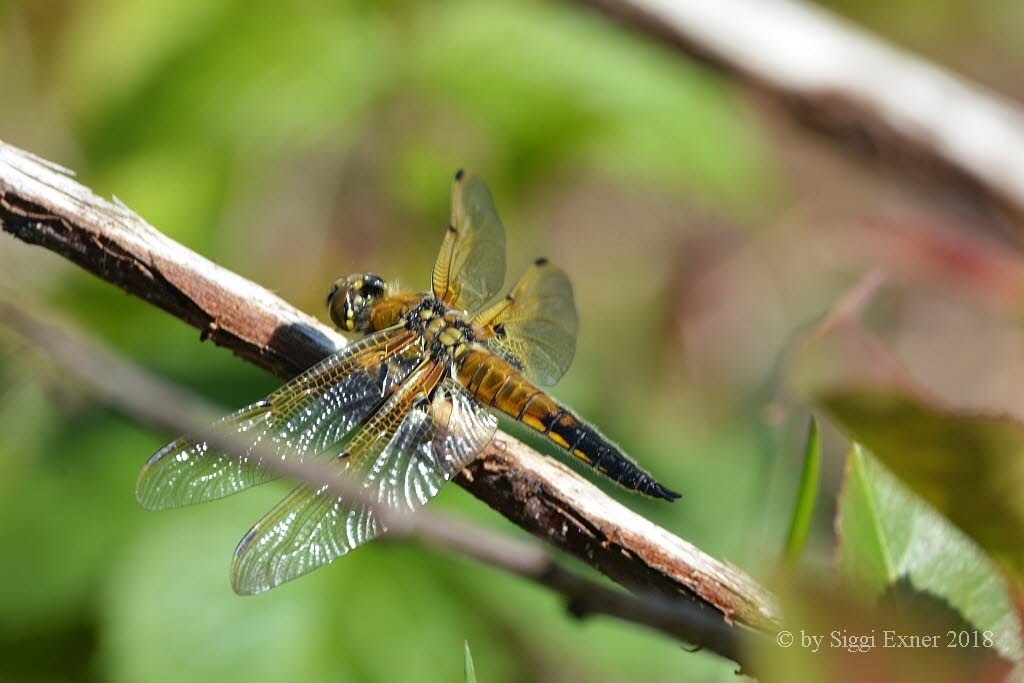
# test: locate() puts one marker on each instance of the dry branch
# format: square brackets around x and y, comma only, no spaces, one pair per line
[41,204]
[916,116]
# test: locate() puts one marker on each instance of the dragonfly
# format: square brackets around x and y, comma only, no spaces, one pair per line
[404,407]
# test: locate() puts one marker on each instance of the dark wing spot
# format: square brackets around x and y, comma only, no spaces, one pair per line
[499,329]
[541,261]
[451,228]
[458,174]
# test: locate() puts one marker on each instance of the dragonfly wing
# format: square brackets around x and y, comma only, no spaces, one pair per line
[304,417]
[401,467]
[470,267]
[535,326]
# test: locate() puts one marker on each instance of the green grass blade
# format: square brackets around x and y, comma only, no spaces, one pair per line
[803,510]
[470,672]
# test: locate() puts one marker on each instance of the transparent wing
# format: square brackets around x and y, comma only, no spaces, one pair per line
[470,268]
[402,466]
[302,418]
[535,326]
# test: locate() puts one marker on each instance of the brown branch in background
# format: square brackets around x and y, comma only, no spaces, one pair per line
[913,115]
[144,397]
[40,204]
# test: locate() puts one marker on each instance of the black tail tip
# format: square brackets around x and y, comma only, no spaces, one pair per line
[664,493]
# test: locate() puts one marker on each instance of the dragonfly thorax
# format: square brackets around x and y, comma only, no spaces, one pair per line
[445,332]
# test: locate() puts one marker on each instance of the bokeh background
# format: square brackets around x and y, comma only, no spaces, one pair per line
[297,141]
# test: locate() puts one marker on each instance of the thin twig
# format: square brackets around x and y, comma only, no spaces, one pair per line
[41,205]
[852,303]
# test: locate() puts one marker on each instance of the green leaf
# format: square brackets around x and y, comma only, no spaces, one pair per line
[893,544]
[470,672]
[803,510]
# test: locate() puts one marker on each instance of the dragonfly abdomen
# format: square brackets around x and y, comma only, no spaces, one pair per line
[583,441]
[496,383]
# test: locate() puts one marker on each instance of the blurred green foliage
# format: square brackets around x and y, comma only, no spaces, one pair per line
[294,142]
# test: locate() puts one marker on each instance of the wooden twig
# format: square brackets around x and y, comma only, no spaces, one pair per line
[41,204]
[916,116]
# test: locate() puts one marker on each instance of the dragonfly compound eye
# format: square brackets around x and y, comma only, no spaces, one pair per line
[351,300]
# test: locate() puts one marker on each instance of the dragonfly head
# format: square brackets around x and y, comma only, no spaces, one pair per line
[351,300]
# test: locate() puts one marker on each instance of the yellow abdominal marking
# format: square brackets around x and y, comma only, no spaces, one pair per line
[531,421]
[558,439]
[582,456]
